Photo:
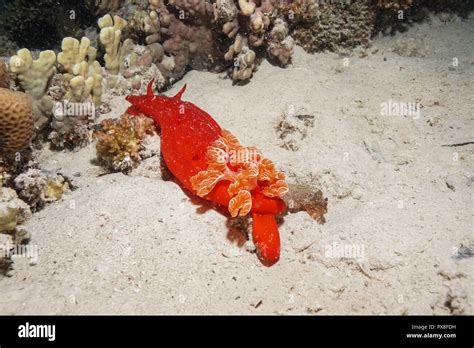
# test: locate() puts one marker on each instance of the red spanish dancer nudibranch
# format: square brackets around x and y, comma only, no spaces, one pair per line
[210,162]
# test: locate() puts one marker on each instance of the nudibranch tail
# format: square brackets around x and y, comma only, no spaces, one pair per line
[266,238]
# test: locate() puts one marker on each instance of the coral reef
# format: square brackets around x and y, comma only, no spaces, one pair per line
[119,144]
[4,78]
[16,121]
[187,30]
[34,77]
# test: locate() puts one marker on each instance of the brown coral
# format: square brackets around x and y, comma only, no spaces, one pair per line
[119,143]
[16,121]
[4,79]
[307,198]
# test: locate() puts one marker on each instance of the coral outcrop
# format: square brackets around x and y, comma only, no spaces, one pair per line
[34,77]
[16,121]
[218,35]
[119,144]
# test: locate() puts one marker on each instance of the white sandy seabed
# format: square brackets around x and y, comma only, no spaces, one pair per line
[400,204]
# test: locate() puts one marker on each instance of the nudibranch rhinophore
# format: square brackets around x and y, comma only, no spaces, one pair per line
[212,164]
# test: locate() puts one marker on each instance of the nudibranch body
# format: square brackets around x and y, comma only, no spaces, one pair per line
[212,164]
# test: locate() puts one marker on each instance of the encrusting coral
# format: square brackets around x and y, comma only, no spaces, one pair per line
[16,121]
[34,77]
[119,143]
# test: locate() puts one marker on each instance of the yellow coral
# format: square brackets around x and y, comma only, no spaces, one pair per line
[82,71]
[34,77]
[55,188]
[115,51]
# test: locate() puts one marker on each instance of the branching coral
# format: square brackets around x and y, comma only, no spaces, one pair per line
[110,35]
[16,121]
[187,31]
[34,77]
[244,167]
[119,143]
[82,75]
[81,70]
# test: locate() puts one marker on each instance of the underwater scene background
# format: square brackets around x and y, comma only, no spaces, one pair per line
[236,157]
